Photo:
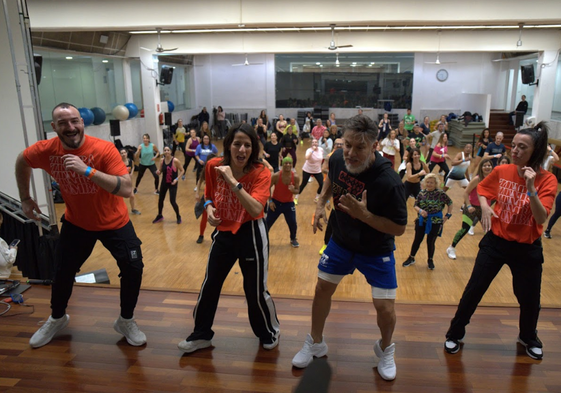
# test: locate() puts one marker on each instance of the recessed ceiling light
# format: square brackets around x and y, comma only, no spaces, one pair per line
[105,61]
[68,57]
[354,62]
[318,63]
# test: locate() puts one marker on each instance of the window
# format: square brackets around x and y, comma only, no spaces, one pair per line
[344,80]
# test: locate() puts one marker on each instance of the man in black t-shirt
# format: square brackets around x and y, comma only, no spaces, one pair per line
[370,210]
[522,108]
[288,143]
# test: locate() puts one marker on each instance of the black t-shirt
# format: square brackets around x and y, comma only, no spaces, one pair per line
[274,151]
[289,141]
[386,198]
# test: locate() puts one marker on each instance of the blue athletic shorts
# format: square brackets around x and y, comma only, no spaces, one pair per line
[379,270]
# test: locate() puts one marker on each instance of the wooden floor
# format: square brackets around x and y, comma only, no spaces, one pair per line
[174,261]
[89,356]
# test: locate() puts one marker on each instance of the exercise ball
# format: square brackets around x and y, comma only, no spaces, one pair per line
[99,115]
[133,110]
[120,112]
[87,115]
[171,107]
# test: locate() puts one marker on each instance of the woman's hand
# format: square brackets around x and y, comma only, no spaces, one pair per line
[227,174]
[422,173]
[272,206]
[423,213]
[158,172]
[213,220]
[471,209]
[530,177]
[486,214]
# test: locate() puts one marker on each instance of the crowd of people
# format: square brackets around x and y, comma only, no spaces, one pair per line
[361,203]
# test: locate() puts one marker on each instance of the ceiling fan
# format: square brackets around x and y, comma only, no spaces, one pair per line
[245,63]
[438,62]
[159,47]
[332,45]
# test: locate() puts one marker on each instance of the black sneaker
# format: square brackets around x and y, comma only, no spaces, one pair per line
[135,190]
[158,218]
[547,234]
[431,264]
[294,243]
[408,262]
[533,348]
[200,239]
[451,345]
[179,219]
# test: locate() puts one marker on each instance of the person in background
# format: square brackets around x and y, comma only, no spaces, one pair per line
[385,127]
[434,137]
[190,150]
[308,123]
[93,181]
[204,130]
[370,210]
[261,130]
[425,126]
[221,122]
[471,209]
[130,168]
[495,150]
[334,133]
[550,159]
[289,143]
[204,116]
[409,121]
[171,170]
[280,126]
[442,121]
[504,161]
[294,126]
[8,256]
[332,119]
[179,138]
[147,153]
[201,191]
[264,118]
[272,152]
[430,221]
[440,155]
[460,169]
[237,189]
[403,138]
[326,143]
[416,171]
[312,167]
[522,108]
[284,185]
[554,217]
[524,195]
[317,131]
[390,147]
[484,140]
[201,154]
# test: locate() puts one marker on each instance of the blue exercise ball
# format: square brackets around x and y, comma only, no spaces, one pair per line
[171,107]
[133,110]
[99,115]
[87,115]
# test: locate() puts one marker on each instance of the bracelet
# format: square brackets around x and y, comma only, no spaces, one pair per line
[531,194]
[209,202]
[93,171]
[468,206]
[448,215]
[26,199]
[88,171]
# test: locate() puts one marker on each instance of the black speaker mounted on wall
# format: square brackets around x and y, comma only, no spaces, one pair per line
[528,76]
[167,118]
[166,75]
[115,127]
[38,62]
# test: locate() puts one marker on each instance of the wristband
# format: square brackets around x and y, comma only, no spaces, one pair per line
[92,172]
[88,171]
[531,194]
[448,215]
[209,202]
[468,206]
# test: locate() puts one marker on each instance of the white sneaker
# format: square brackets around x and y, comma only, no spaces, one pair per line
[192,346]
[195,189]
[129,329]
[272,345]
[451,251]
[311,179]
[471,231]
[310,350]
[386,365]
[45,334]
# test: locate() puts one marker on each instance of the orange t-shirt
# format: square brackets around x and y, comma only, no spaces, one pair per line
[228,207]
[515,221]
[88,206]
[282,193]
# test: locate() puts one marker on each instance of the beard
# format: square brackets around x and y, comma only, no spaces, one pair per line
[361,168]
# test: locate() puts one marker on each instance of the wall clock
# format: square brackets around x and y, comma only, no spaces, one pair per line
[441,75]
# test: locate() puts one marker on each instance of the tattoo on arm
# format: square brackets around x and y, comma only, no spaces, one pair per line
[118,186]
